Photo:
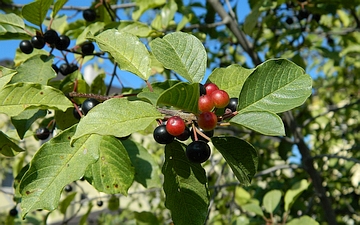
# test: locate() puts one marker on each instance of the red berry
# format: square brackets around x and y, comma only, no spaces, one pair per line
[175,125]
[220,98]
[207,121]
[210,88]
[205,103]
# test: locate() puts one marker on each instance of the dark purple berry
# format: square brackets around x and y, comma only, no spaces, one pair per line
[88,104]
[198,151]
[42,133]
[161,135]
[51,37]
[63,43]
[26,47]
[87,48]
[89,15]
[38,42]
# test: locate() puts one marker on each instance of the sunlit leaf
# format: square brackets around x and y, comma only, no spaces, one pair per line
[271,200]
[182,53]
[240,155]
[6,75]
[35,12]
[15,98]
[185,187]
[57,6]
[276,85]
[122,118]
[127,50]
[55,165]
[303,220]
[145,5]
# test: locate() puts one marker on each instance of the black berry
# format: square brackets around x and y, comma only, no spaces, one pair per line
[66,69]
[207,133]
[13,212]
[289,20]
[76,113]
[99,203]
[303,14]
[233,104]
[38,42]
[202,89]
[42,133]
[63,43]
[88,104]
[185,135]
[55,68]
[26,47]
[89,15]
[68,188]
[198,151]
[51,37]
[87,48]
[161,135]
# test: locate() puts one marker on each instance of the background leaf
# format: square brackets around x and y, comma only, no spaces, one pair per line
[64,204]
[303,220]
[266,123]
[127,50]
[182,53]
[292,194]
[57,6]
[240,155]
[113,172]
[182,96]
[158,88]
[13,24]
[36,69]
[35,12]
[8,147]
[55,165]
[145,5]
[254,208]
[146,168]
[185,187]
[122,118]
[231,79]
[271,200]
[276,85]
[15,98]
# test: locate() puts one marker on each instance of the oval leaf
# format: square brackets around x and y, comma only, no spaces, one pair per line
[254,208]
[185,187]
[182,53]
[15,98]
[113,172]
[266,123]
[240,155]
[271,200]
[127,50]
[303,220]
[36,69]
[182,95]
[292,194]
[276,86]
[231,79]
[35,12]
[8,147]
[55,165]
[122,118]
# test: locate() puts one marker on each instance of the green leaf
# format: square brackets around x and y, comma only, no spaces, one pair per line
[64,204]
[36,69]
[252,19]
[240,155]
[231,79]
[303,220]
[24,120]
[266,123]
[166,15]
[57,6]
[122,118]
[271,200]
[276,85]
[8,147]
[292,194]
[146,218]
[13,24]
[84,218]
[65,119]
[242,197]
[113,172]
[136,28]
[254,208]
[182,53]
[6,75]
[35,12]
[158,88]
[145,5]
[146,168]
[15,98]
[55,165]
[127,50]
[185,187]
[182,95]
[113,203]
[93,28]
